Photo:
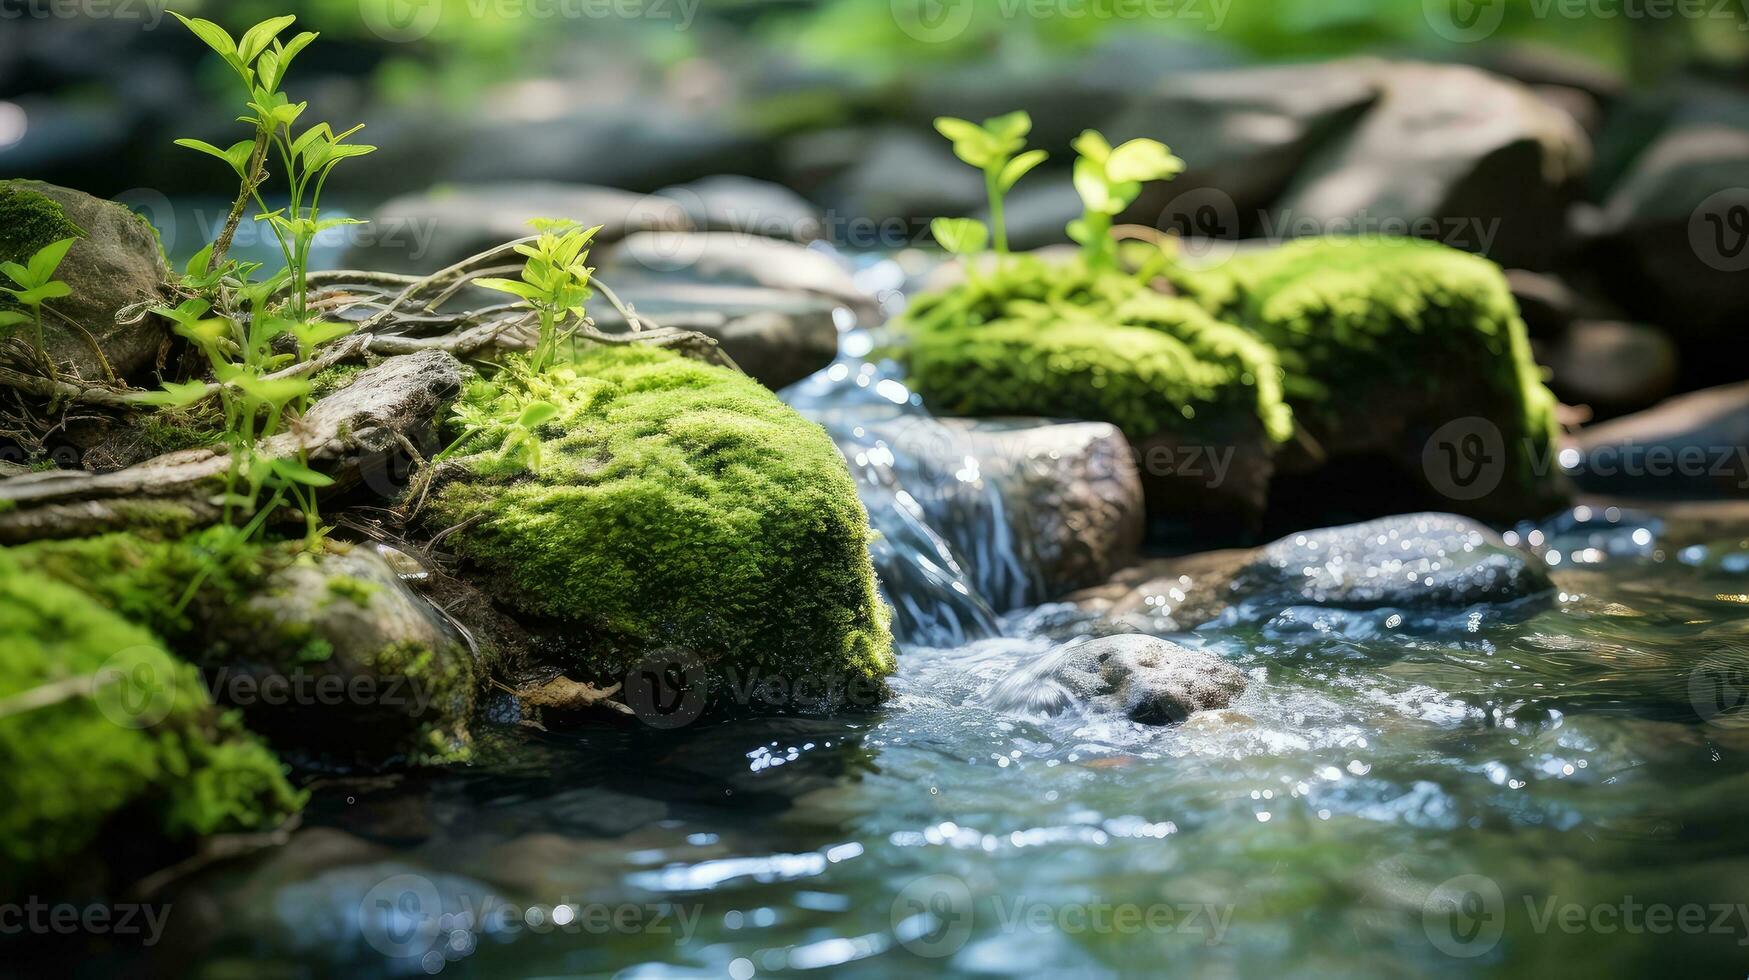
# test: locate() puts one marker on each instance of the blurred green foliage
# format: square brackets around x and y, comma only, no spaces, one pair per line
[451,48]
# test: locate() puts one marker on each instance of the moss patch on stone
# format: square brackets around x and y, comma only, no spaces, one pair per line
[225,630]
[97,720]
[676,505]
[1352,318]
[29,221]
[1059,340]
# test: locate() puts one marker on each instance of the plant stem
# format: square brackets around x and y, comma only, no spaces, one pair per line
[256,173]
[998,227]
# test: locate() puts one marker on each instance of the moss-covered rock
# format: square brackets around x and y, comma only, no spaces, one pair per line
[117,262]
[1387,341]
[1368,347]
[328,655]
[97,721]
[675,506]
[1059,341]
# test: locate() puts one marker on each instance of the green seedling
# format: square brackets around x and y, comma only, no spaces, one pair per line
[996,149]
[35,284]
[554,282]
[1109,180]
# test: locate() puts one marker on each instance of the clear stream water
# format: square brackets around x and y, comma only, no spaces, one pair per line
[1557,787]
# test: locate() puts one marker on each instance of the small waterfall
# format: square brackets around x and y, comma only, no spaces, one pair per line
[946,556]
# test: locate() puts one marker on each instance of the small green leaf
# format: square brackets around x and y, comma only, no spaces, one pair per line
[42,293]
[12,318]
[256,39]
[48,258]
[1142,160]
[510,286]
[215,36]
[961,236]
[1093,146]
[1010,127]
[173,395]
[294,471]
[18,274]
[1018,168]
[537,413]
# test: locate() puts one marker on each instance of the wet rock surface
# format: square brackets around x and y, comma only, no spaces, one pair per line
[1147,679]
[1417,562]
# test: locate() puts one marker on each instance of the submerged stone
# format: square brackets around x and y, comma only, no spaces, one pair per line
[1148,679]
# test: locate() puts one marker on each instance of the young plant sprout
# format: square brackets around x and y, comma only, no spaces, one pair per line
[33,285]
[992,148]
[554,283]
[1109,180]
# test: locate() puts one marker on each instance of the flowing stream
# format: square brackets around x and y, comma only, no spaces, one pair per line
[1516,792]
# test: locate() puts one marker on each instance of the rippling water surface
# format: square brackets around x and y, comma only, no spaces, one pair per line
[1553,787]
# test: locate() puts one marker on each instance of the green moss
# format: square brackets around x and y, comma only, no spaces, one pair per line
[97,720]
[349,589]
[143,579]
[29,221]
[1057,340]
[676,504]
[1363,319]
[329,380]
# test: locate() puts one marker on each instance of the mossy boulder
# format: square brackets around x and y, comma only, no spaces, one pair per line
[1055,340]
[675,508]
[1295,359]
[329,655]
[106,741]
[1396,349]
[117,262]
